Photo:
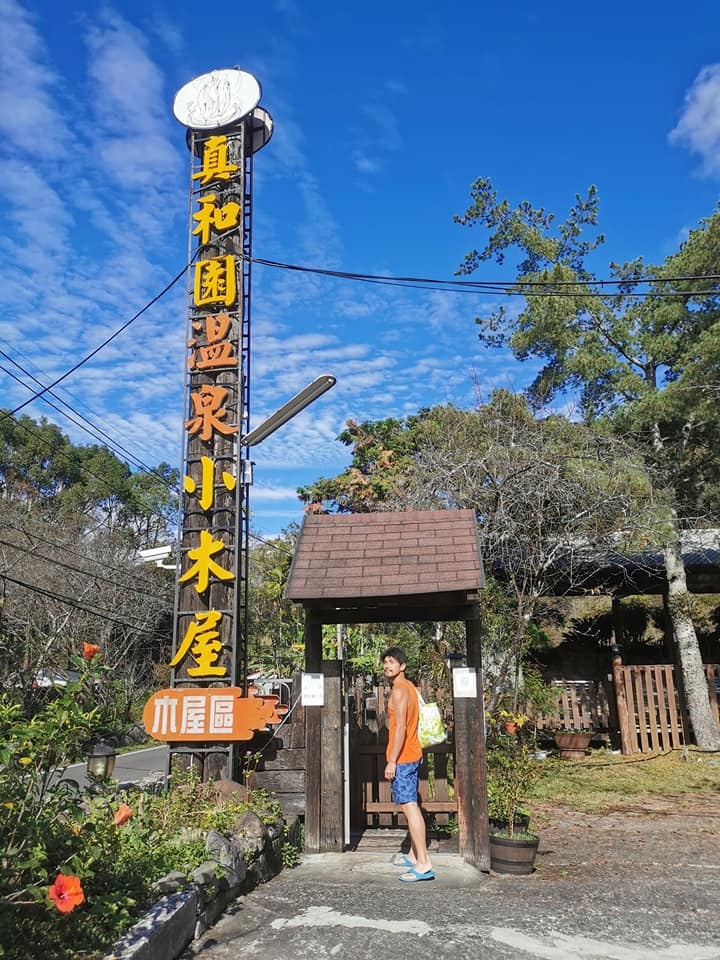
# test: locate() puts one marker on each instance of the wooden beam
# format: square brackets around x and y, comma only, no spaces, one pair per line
[470,760]
[332,837]
[400,613]
[312,635]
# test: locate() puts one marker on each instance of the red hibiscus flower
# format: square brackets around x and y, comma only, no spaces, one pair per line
[90,650]
[66,893]
[122,814]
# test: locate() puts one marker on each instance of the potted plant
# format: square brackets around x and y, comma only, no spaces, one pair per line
[512,769]
[511,721]
[572,742]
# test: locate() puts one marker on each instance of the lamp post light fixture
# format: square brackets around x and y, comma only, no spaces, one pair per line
[101,762]
[288,410]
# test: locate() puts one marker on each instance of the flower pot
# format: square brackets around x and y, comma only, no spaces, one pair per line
[511,726]
[513,855]
[572,744]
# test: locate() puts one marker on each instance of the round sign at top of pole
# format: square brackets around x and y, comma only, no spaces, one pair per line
[216,99]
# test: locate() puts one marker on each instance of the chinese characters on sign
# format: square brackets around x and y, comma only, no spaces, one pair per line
[209,714]
[209,558]
[205,630]
[218,110]
[202,646]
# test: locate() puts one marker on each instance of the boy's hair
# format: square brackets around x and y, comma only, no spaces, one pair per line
[397,653]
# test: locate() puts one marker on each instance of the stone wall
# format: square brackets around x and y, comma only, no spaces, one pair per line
[251,854]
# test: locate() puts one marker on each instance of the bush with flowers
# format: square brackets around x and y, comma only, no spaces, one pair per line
[77,869]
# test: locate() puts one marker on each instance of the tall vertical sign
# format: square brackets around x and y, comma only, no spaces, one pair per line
[208,707]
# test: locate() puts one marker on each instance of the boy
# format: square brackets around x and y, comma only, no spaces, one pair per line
[403,758]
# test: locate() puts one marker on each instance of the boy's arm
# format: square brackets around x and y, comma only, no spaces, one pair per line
[400,709]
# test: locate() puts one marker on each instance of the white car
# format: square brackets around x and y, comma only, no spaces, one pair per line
[54,678]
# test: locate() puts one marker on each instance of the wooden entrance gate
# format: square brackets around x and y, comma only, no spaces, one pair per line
[371,804]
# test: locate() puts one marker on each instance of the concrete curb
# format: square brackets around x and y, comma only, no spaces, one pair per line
[176,919]
[163,933]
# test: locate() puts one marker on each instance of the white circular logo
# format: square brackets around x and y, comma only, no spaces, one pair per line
[216,99]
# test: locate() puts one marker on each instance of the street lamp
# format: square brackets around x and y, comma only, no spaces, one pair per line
[288,410]
[101,762]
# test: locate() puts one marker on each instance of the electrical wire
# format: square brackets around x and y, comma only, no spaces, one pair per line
[506,287]
[130,588]
[71,602]
[91,429]
[105,342]
[62,546]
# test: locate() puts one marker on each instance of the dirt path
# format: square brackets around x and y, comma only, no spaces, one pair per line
[662,833]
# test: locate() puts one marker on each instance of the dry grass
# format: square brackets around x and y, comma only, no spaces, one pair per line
[604,781]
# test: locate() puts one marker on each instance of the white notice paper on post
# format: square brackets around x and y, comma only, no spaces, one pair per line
[464,682]
[312,690]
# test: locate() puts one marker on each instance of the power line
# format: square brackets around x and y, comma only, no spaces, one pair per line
[92,430]
[80,402]
[105,342]
[71,602]
[507,287]
[86,573]
[64,547]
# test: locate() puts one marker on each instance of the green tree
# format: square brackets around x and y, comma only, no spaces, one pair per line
[275,627]
[151,508]
[637,361]
[381,456]
[555,500]
[37,461]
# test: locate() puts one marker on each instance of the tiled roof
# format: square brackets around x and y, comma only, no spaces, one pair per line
[368,555]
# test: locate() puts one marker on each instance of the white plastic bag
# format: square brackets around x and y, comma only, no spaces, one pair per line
[430,726]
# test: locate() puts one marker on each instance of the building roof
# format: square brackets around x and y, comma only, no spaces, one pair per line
[353,557]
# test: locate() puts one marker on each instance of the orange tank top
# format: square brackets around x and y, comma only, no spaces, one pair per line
[411,749]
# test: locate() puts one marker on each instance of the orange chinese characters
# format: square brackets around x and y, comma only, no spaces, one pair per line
[219,351]
[209,412]
[212,714]
[202,642]
[215,281]
[204,565]
[215,165]
[207,483]
[211,216]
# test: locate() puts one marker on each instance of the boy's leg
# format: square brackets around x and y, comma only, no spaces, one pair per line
[418,841]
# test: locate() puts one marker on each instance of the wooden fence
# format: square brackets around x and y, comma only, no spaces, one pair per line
[581,705]
[642,711]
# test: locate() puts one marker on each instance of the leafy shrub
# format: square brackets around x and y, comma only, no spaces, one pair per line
[76,870]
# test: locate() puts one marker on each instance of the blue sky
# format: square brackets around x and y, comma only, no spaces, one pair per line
[384,115]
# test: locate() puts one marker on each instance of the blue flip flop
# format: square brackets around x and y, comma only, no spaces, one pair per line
[413,876]
[405,861]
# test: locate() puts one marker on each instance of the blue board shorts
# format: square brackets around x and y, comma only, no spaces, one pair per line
[404,787]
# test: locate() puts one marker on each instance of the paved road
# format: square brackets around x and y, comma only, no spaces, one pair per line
[641,883]
[352,906]
[131,765]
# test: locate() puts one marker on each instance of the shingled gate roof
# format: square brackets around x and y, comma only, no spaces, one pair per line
[349,558]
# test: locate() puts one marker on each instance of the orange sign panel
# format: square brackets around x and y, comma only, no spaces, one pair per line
[208,713]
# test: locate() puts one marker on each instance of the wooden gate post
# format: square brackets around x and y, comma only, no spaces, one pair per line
[312,635]
[470,760]
[626,744]
[332,835]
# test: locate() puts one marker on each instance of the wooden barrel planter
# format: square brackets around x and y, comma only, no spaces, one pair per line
[513,855]
[572,744]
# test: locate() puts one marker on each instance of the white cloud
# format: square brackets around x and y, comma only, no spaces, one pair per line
[132,127]
[365,164]
[264,494]
[699,124]
[27,86]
